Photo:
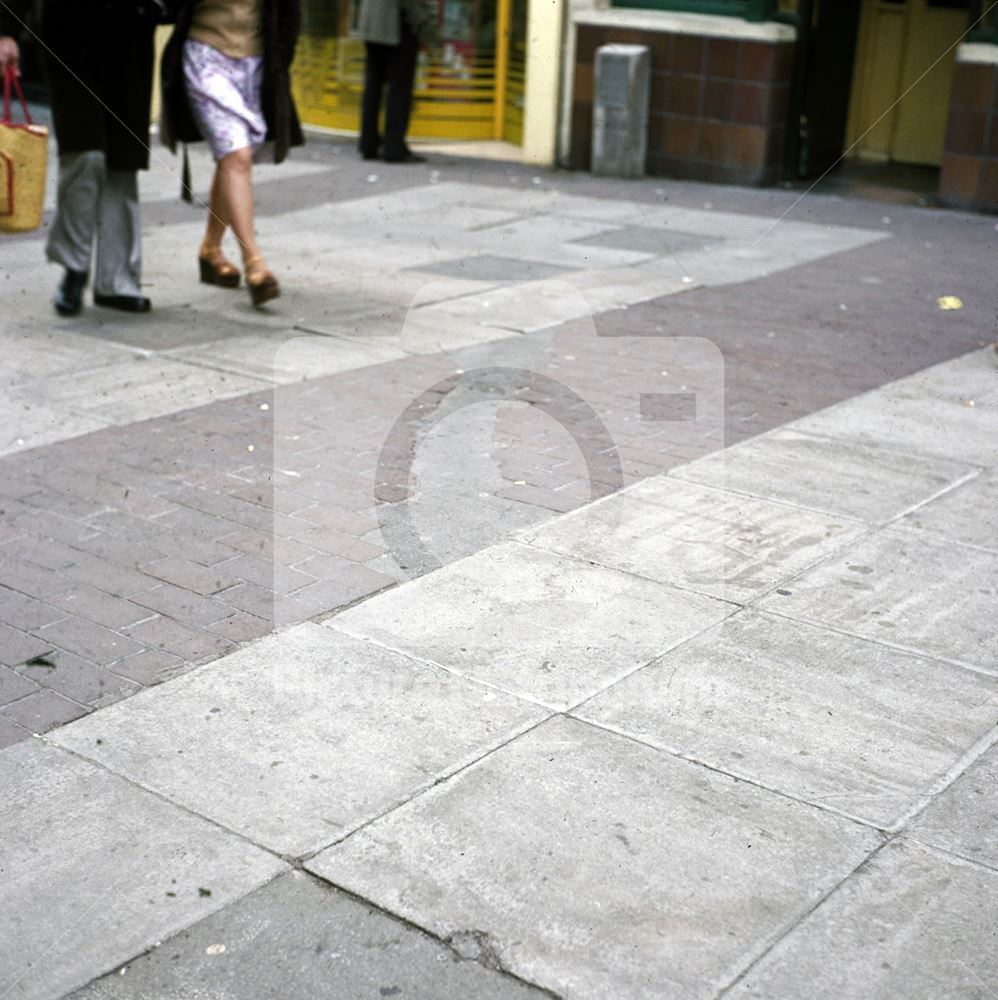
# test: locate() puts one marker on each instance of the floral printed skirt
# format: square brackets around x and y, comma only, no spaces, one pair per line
[225,98]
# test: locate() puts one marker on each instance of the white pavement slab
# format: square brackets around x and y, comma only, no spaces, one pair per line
[533,623]
[297,939]
[964,819]
[722,544]
[599,868]
[908,589]
[967,514]
[826,474]
[299,739]
[913,923]
[285,358]
[840,722]
[949,411]
[96,870]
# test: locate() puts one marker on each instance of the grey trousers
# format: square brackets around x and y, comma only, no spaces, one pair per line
[97,204]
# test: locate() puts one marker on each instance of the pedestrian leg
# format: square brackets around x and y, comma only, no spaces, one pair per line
[71,239]
[119,237]
[377,56]
[401,77]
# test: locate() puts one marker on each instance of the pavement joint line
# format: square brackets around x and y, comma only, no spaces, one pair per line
[104,893]
[715,769]
[166,800]
[426,662]
[911,650]
[949,777]
[950,854]
[975,473]
[763,951]
[447,942]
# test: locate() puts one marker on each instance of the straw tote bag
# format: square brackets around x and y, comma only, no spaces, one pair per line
[23,158]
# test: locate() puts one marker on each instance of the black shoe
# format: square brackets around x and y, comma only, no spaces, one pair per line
[126,303]
[68,298]
[368,156]
[407,157]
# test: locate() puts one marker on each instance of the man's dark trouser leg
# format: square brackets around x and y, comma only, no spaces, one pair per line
[378,57]
[401,76]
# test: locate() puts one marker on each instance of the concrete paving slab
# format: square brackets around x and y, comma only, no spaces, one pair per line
[136,390]
[29,353]
[966,514]
[300,738]
[839,722]
[177,321]
[532,623]
[918,419]
[612,288]
[287,357]
[32,423]
[486,267]
[971,380]
[826,474]
[658,241]
[717,543]
[297,938]
[908,589]
[964,818]
[96,870]
[912,923]
[596,867]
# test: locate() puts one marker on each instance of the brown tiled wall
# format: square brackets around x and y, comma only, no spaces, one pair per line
[970,163]
[718,105]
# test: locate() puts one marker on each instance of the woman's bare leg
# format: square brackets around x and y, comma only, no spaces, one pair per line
[235,183]
[218,218]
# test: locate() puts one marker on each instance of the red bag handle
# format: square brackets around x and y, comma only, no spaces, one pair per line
[9,165]
[11,79]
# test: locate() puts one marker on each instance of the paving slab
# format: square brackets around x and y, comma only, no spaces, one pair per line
[838,477]
[840,722]
[533,623]
[137,390]
[31,353]
[287,357]
[912,923]
[964,818]
[300,738]
[967,514]
[96,870]
[596,867]
[908,589]
[714,542]
[298,938]
[951,411]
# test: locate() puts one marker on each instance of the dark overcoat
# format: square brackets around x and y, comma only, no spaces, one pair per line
[281,23]
[99,70]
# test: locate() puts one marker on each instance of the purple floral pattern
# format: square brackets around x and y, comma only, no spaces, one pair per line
[224,94]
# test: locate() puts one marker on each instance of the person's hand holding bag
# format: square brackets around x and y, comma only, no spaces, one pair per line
[10,55]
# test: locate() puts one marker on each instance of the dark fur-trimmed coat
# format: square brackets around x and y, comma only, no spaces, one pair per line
[281,23]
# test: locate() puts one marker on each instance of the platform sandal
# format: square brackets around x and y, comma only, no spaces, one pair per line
[261,289]
[215,269]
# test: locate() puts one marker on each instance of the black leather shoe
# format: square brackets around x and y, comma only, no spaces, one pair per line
[68,299]
[126,303]
[407,157]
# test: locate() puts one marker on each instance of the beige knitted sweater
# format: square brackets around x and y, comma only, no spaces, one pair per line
[231,26]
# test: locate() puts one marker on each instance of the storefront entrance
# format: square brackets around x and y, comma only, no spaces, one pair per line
[471,87]
[903,79]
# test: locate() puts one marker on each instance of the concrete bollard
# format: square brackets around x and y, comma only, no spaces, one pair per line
[620,110]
